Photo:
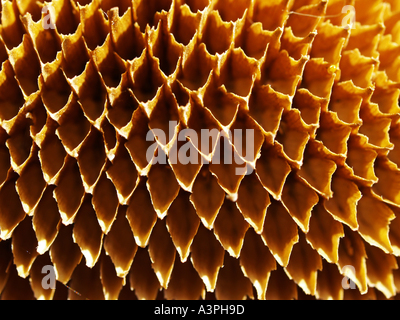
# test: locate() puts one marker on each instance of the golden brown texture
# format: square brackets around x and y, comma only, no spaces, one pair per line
[76,189]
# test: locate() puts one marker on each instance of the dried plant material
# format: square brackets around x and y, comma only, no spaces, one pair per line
[322,228]
[357,68]
[23,244]
[279,233]
[12,98]
[163,188]
[375,229]
[222,104]
[296,46]
[352,253]
[207,257]
[27,65]
[65,254]
[141,214]
[230,228]
[13,213]
[310,106]
[253,201]
[73,128]
[302,27]
[91,159]
[75,54]
[186,171]
[280,287]
[379,270]
[226,166]
[125,184]
[142,278]
[182,223]
[162,253]
[293,135]
[19,290]
[329,42]
[137,145]
[11,26]
[89,239]
[284,73]
[390,193]
[318,77]
[333,134]
[185,283]
[266,107]
[91,91]
[121,233]
[239,289]
[386,99]
[366,39]
[36,277]
[81,279]
[329,283]
[112,284]
[256,262]
[46,221]
[346,101]
[207,197]
[317,172]
[299,199]
[105,203]
[272,169]
[342,205]
[30,185]
[46,42]
[189,149]
[360,158]
[51,168]
[303,265]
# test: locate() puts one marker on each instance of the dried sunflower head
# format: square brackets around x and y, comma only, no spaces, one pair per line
[94,94]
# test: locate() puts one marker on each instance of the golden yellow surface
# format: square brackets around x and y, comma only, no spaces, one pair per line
[76,189]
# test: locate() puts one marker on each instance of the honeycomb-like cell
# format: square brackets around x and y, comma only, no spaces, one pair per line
[89,186]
